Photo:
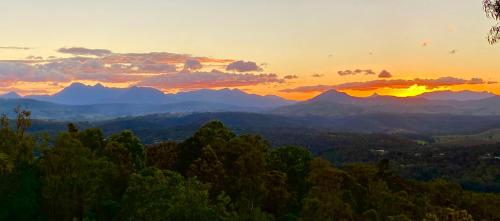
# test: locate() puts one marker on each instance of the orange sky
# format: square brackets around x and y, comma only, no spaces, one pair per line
[292,44]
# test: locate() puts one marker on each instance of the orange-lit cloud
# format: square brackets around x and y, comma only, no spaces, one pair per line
[185,80]
[392,84]
[102,65]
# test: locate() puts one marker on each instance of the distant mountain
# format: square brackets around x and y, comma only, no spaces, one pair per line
[96,112]
[456,95]
[80,94]
[10,95]
[231,97]
[334,104]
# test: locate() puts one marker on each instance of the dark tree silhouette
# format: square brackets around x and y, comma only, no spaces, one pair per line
[492,10]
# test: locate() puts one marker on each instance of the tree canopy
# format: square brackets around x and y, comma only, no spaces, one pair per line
[213,175]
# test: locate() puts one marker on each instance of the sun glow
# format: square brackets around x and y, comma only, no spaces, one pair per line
[414,90]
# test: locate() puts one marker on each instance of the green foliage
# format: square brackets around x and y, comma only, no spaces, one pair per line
[213,175]
[134,147]
[154,194]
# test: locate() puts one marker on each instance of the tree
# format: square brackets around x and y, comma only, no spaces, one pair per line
[134,147]
[294,162]
[245,164]
[65,170]
[213,134]
[209,169]
[324,201]
[154,194]
[164,155]
[492,10]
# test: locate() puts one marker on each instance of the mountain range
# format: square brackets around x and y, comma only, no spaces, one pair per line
[84,102]
[81,94]
[334,103]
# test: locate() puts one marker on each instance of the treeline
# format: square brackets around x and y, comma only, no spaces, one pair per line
[213,175]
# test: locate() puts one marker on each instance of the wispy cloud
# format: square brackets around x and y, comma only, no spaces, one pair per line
[14,48]
[290,77]
[356,72]
[84,51]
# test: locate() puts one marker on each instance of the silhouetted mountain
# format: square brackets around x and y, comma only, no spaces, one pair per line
[10,95]
[456,95]
[80,94]
[332,103]
[231,97]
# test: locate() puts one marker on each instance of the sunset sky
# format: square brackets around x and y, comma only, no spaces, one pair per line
[291,48]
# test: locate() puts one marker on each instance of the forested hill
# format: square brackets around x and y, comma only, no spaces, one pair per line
[214,174]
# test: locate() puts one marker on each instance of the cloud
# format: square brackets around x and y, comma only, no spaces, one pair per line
[108,68]
[31,57]
[385,74]
[454,51]
[355,72]
[317,75]
[394,84]
[214,79]
[243,66]
[14,48]
[163,70]
[290,77]
[84,51]
[192,64]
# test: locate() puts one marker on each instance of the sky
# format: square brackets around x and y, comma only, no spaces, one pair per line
[291,48]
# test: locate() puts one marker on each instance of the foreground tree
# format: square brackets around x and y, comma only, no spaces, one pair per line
[159,195]
[492,10]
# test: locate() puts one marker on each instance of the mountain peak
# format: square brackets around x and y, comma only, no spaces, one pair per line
[76,85]
[334,96]
[10,95]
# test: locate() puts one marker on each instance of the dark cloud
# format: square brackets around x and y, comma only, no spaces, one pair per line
[385,74]
[192,64]
[356,72]
[454,51]
[243,66]
[213,79]
[290,77]
[84,51]
[395,84]
[317,75]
